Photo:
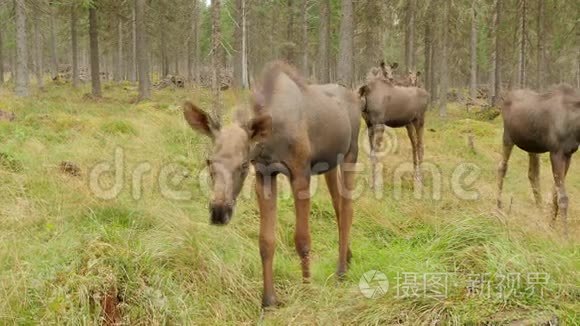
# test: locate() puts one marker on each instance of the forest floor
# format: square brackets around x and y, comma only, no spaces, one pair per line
[148,255]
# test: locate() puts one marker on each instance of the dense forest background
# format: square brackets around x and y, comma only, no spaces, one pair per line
[454,43]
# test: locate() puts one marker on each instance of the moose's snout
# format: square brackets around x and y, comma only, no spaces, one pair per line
[220,214]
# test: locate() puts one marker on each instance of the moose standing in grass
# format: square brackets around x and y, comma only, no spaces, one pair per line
[540,123]
[387,104]
[288,134]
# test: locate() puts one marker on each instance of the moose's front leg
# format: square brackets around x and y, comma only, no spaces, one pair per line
[266,190]
[301,191]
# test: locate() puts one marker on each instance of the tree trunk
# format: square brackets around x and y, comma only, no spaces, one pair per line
[345,56]
[94,43]
[53,54]
[304,37]
[197,49]
[192,45]
[163,43]
[540,49]
[142,51]
[473,69]
[13,64]
[245,79]
[38,50]
[522,46]
[433,60]
[410,36]
[369,24]
[216,58]
[75,46]
[118,56]
[1,56]
[290,46]
[21,49]
[238,44]
[134,69]
[324,43]
[497,54]
[444,63]
[428,51]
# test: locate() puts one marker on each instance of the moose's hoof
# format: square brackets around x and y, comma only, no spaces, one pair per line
[341,274]
[269,301]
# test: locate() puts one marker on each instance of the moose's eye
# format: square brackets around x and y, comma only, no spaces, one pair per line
[245,165]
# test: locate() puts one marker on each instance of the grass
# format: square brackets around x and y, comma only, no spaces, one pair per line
[65,253]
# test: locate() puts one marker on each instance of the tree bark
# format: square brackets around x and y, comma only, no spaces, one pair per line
[444,63]
[21,89]
[290,46]
[428,51]
[216,58]
[38,69]
[1,56]
[94,44]
[522,46]
[496,54]
[324,43]
[433,59]
[304,37]
[410,36]
[134,69]
[238,44]
[74,45]
[473,69]
[197,49]
[118,56]
[142,51]
[345,56]
[192,45]
[53,53]
[163,38]
[245,79]
[541,61]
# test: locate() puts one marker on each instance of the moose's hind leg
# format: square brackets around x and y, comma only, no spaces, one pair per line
[534,176]
[413,138]
[560,164]
[347,189]
[332,182]
[508,146]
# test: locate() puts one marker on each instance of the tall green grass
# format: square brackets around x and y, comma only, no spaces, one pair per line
[63,251]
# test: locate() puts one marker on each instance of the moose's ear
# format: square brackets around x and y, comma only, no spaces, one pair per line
[394,65]
[199,120]
[259,128]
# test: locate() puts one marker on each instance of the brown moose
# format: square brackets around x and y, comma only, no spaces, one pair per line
[386,104]
[540,123]
[288,134]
